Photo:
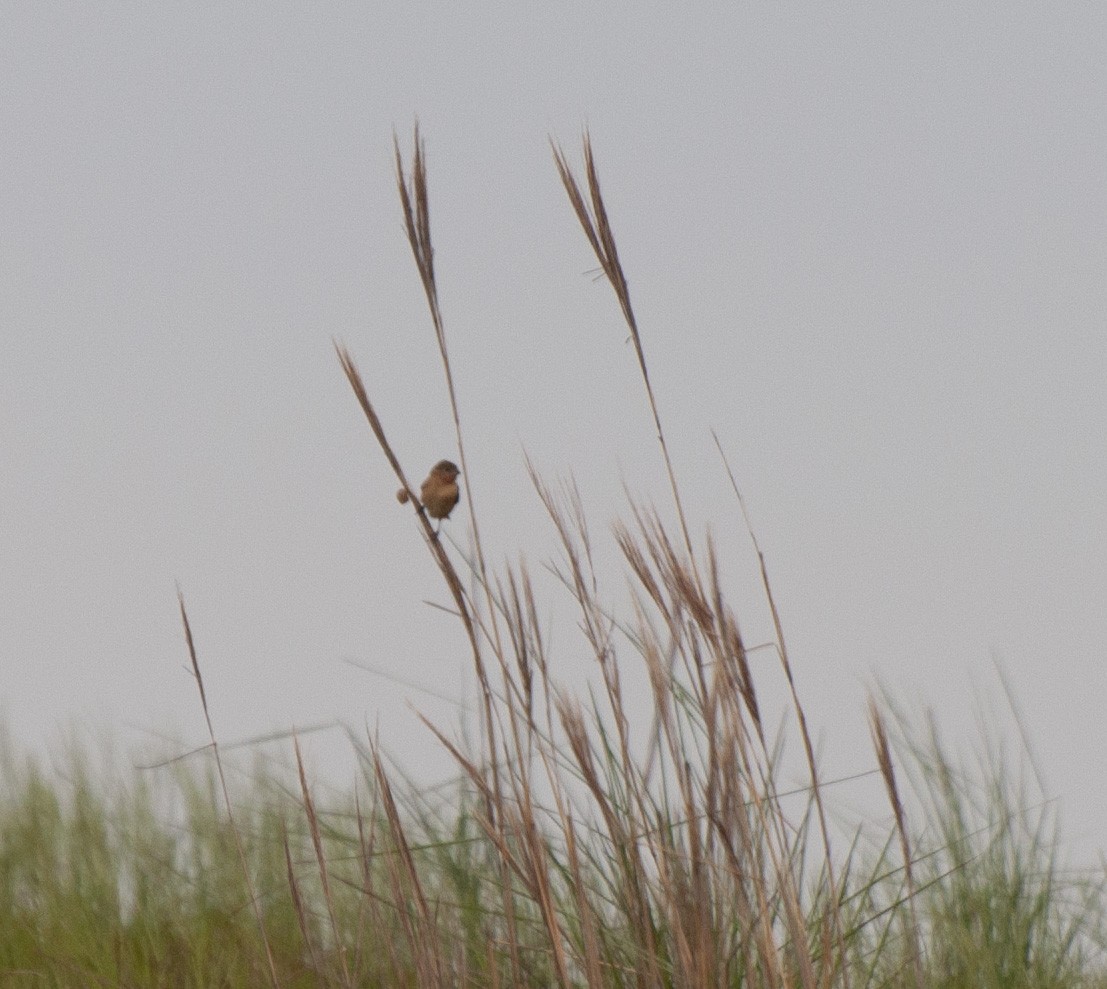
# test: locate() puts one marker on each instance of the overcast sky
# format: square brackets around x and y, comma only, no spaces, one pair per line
[866,244]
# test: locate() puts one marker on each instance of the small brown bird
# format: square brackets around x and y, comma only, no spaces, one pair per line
[439,492]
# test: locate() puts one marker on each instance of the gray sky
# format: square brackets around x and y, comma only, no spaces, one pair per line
[866,245]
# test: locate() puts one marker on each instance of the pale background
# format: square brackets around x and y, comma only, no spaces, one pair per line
[866,244]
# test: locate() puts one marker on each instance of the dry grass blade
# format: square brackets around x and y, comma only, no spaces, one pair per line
[321,860]
[453,581]
[801,716]
[538,878]
[416,208]
[407,889]
[631,875]
[254,901]
[298,905]
[888,772]
[356,383]
[592,215]
[586,912]
[415,204]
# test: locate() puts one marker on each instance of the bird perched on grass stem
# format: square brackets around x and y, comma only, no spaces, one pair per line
[439,492]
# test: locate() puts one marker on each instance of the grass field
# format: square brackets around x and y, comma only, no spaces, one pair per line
[587,842]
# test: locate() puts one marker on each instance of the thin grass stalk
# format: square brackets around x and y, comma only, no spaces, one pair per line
[254,901]
[584,910]
[622,841]
[538,874]
[888,772]
[367,908]
[445,566]
[597,629]
[374,900]
[752,847]
[321,862]
[760,914]
[417,921]
[801,717]
[680,595]
[597,229]
[453,582]
[493,826]
[416,209]
[298,905]
[1021,725]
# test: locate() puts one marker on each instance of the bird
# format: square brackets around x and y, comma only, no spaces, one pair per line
[439,493]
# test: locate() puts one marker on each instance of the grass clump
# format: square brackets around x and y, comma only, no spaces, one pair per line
[133,882]
[589,841]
